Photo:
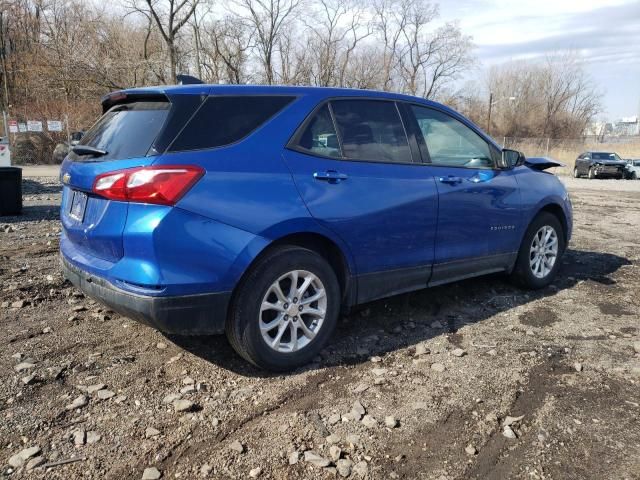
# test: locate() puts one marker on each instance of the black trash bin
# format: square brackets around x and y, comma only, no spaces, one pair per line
[10,191]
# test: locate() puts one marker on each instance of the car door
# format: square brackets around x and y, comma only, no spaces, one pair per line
[354,167]
[479,223]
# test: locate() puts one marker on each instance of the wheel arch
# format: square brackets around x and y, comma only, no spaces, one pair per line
[325,246]
[556,210]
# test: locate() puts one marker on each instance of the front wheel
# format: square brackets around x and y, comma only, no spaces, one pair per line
[592,173]
[539,255]
[575,173]
[633,176]
[285,309]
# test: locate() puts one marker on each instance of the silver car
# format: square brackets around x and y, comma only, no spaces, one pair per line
[632,170]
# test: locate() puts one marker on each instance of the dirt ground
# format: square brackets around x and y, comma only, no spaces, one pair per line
[472,380]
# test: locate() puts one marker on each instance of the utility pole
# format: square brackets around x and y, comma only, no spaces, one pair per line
[489,115]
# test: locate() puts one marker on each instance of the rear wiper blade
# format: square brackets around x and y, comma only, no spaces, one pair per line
[87,150]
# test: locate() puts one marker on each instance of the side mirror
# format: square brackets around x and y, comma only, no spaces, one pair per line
[512,158]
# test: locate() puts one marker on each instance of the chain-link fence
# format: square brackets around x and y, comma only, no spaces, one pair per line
[566,150]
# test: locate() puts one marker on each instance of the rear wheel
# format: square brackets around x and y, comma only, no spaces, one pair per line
[633,176]
[592,173]
[539,256]
[285,309]
[575,172]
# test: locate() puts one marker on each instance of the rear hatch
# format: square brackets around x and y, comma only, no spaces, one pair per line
[132,131]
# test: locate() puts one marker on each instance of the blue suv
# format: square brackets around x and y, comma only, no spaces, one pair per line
[263,211]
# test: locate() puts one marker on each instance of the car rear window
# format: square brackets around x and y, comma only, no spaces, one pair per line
[126,131]
[223,120]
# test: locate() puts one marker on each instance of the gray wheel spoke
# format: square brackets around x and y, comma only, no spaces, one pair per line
[267,327]
[294,284]
[305,330]
[278,291]
[314,312]
[281,329]
[293,331]
[316,296]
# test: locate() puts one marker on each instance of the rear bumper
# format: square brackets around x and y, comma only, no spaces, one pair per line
[202,314]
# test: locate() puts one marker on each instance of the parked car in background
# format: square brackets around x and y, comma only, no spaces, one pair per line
[633,169]
[599,164]
[263,211]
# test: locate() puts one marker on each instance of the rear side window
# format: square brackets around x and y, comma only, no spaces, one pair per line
[126,131]
[371,130]
[225,120]
[319,136]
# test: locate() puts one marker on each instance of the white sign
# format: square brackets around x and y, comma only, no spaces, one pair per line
[34,125]
[22,127]
[13,126]
[54,125]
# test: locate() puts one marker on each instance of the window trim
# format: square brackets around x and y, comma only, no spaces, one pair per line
[293,98]
[292,144]
[424,148]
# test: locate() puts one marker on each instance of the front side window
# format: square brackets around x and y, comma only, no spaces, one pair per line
[319,136]
[223,120]
[450,142]
[371,130]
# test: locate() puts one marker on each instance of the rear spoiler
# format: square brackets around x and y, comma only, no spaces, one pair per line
[119,97]
[542,163]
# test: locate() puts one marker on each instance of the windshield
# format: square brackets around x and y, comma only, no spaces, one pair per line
[605,156]
[125,131]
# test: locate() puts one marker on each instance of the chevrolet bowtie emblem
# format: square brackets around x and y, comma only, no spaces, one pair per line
[66,178]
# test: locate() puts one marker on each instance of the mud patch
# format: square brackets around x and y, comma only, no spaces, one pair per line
[609,308]
[539,317]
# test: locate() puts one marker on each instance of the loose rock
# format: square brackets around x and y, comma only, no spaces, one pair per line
[458,352]
[438,367]
[344,467]
[18,459]
[151,473]
[255,472]
[236,446]
[183,405]
[390,421]
[315,459]
[79,402]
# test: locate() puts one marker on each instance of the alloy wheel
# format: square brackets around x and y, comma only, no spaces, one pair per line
[543,252]
[292,311]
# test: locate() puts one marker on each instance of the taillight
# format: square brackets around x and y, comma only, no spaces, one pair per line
[162,185]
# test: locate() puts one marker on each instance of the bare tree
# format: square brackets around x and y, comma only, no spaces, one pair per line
[170,16]
[267,19]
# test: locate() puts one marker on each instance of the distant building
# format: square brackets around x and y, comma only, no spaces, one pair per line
[626,126]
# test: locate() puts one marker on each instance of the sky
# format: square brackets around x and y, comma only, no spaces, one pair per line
[606,33]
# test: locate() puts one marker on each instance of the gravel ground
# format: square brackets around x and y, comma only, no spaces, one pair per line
[472,380]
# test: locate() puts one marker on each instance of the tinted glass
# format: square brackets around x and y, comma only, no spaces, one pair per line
[450,142]
[126,131]
[371,130]
[319,136]
[225,120]
[603,156]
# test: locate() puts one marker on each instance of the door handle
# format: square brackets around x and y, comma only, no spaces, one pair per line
[330,176]
[450,179]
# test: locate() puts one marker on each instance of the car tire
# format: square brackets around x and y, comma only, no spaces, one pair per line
[575,172]
[633,176]
[592,173]
[304,334]
[527,272]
